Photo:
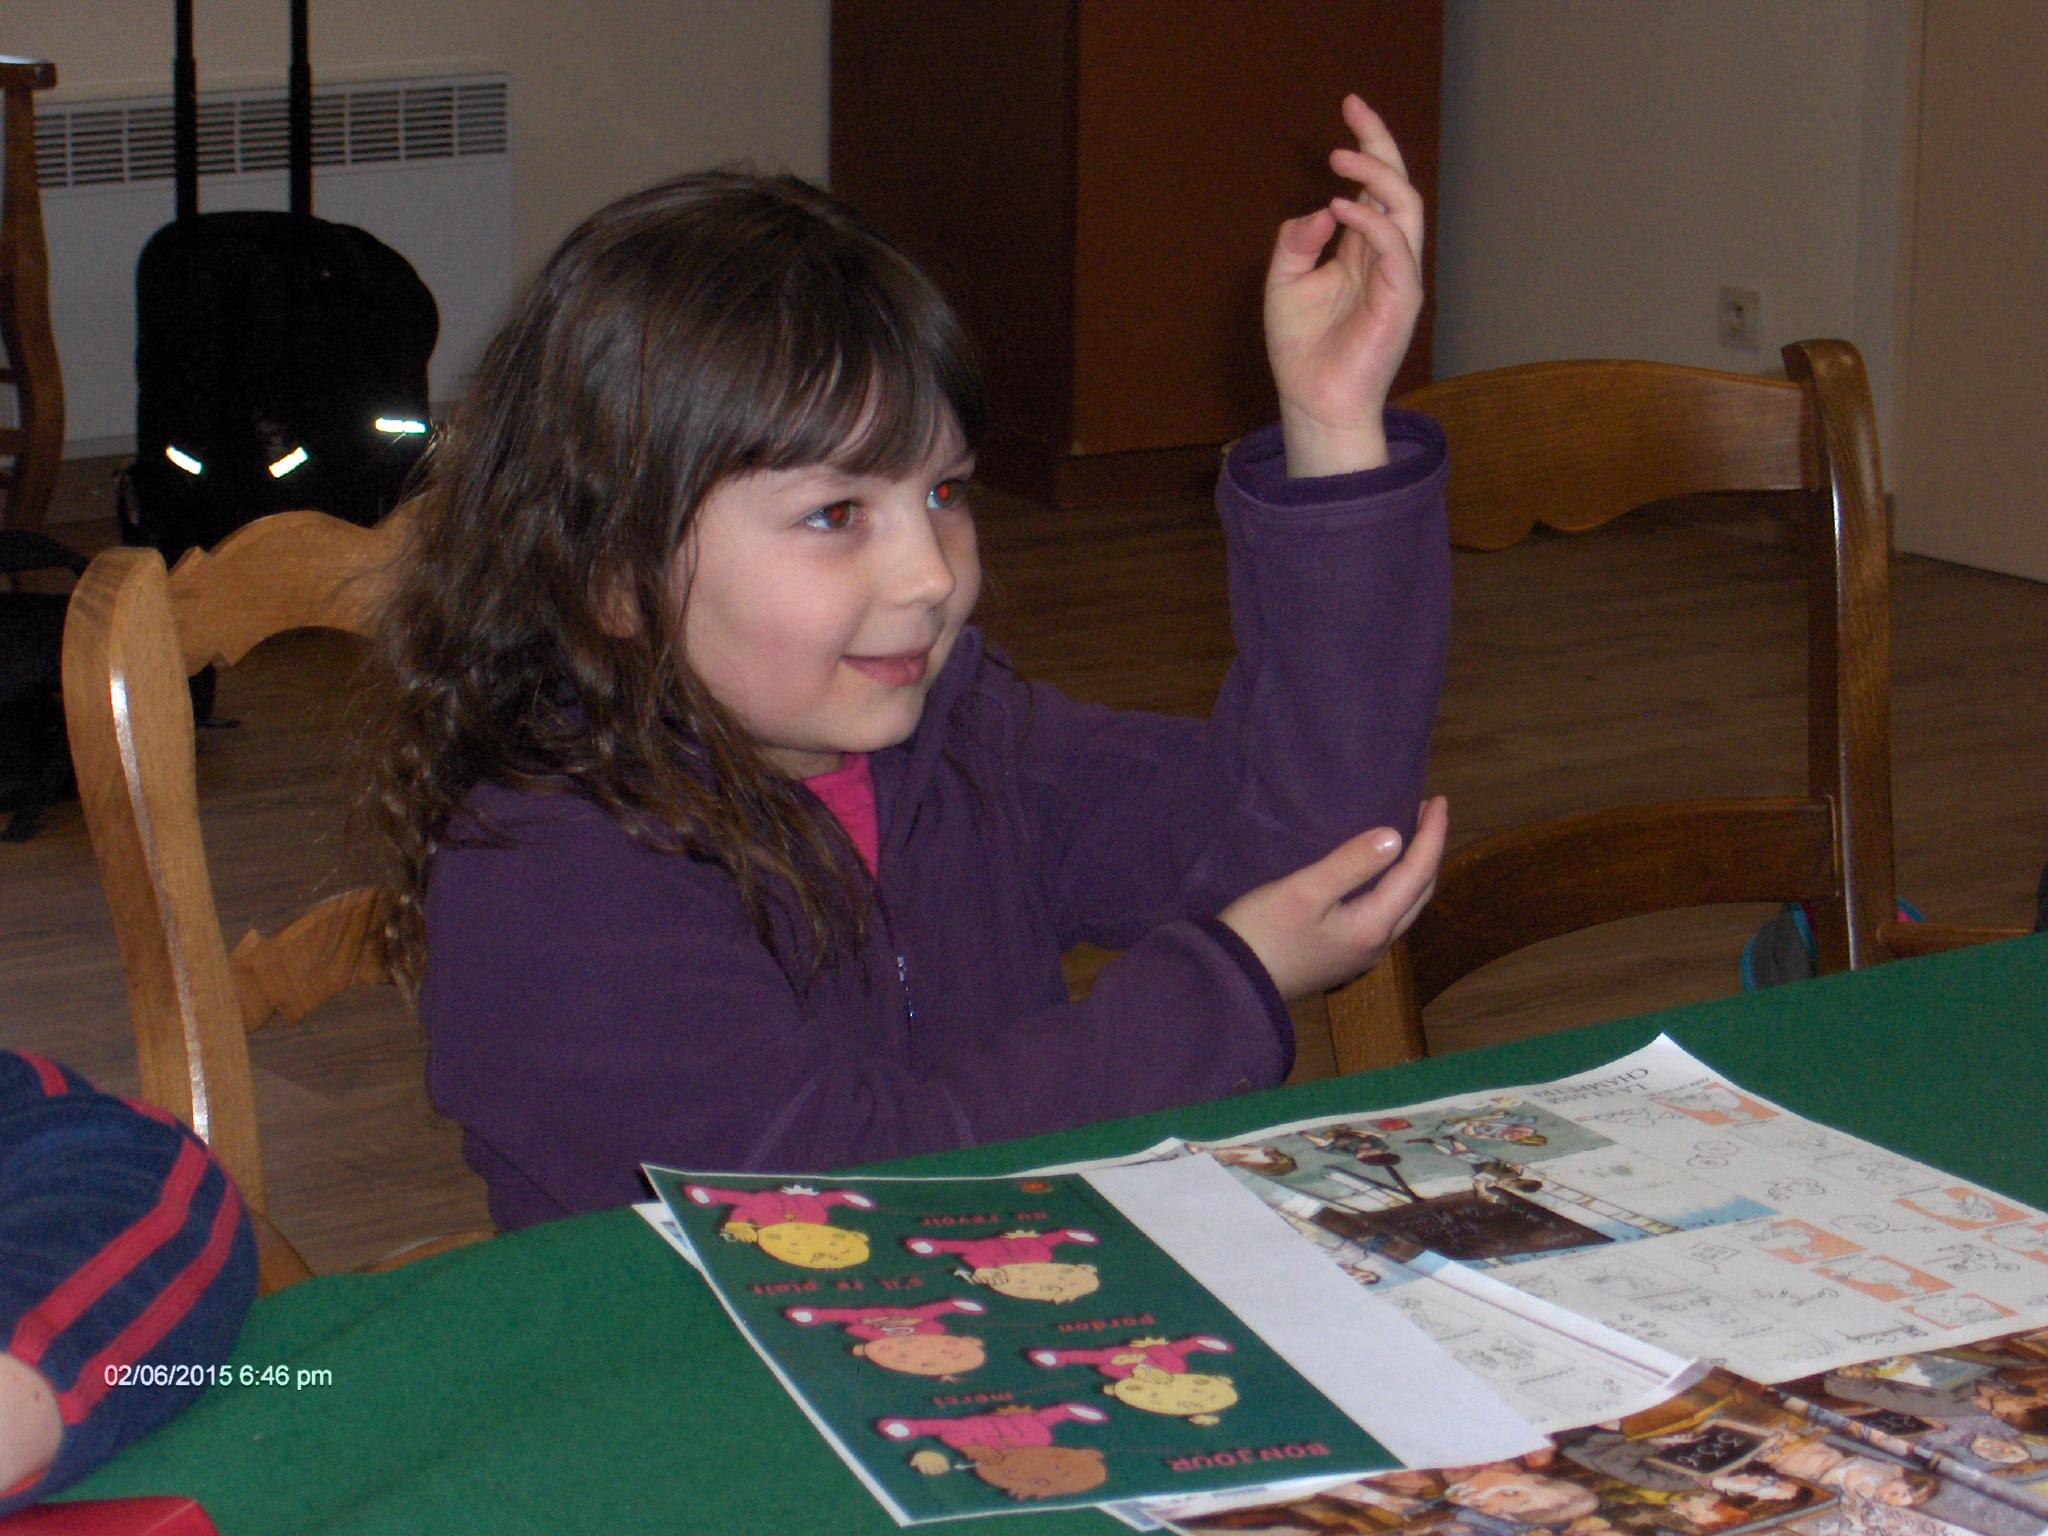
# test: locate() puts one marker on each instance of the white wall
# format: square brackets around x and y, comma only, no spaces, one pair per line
[1609,164]
[607,95]
[1974,390]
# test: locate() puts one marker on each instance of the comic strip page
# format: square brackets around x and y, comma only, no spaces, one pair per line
[1666,1203]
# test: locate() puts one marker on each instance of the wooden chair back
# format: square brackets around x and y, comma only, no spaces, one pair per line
[36,443]
[133,635]
[1572,446]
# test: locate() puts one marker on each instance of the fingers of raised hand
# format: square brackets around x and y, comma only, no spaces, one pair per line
[1386,187]
[1300,245]
[1372,133]
[1392,248]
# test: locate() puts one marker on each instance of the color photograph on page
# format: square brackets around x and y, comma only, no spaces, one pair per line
[1942,1443]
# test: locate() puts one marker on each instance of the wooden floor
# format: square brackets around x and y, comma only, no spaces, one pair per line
[1662,657]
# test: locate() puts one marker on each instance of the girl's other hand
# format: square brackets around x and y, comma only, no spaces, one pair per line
[1309,938]
[1337,328]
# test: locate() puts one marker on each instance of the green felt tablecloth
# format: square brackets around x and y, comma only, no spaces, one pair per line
[576,1376]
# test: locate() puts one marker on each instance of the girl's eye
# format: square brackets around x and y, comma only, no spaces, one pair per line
[947,496]
[836,518]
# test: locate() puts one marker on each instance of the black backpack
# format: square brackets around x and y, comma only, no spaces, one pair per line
[280,359]
[35,759]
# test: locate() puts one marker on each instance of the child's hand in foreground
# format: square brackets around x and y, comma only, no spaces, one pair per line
[1309,938]
[1337,329]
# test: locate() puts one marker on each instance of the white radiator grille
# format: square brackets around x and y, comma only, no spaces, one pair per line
[111,143]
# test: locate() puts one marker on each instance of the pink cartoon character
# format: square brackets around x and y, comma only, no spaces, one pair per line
[1152,1374]
[912,1340]
[792,1223]
[1019,1263]
[1011,1448]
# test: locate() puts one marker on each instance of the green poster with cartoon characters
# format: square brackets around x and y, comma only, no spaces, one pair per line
[971,1346]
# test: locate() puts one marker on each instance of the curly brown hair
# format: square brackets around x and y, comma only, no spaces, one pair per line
[715,325]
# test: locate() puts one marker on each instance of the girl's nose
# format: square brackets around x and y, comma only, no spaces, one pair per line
[919,572]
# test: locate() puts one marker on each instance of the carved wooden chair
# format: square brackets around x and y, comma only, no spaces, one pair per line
[1574,445]
[36,442]
[133,635]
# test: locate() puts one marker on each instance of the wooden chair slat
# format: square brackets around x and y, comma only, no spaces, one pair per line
[1573,445]
[291,570]
[1533,883]
[325,950]
[1906,941]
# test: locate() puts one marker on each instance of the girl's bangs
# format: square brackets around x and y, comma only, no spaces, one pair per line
[870,386]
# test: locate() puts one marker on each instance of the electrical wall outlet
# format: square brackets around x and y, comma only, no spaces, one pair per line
[1738,321]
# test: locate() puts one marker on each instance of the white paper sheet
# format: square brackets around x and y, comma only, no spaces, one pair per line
[1379,1368]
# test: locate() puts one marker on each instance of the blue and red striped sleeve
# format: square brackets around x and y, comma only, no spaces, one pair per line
[123,1244]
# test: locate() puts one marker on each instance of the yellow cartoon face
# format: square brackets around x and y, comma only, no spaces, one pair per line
[925,1354]
[1040,1282]
[813,1245]
[1184,1397]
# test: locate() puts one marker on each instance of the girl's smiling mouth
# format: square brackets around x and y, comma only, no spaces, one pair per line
[898,671]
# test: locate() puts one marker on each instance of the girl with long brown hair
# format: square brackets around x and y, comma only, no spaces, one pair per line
[720,838]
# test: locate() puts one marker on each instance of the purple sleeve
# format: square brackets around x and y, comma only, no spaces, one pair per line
[591,1005]
[1340,605]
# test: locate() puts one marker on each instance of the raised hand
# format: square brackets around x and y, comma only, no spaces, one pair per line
[1309,938]
[1337,327]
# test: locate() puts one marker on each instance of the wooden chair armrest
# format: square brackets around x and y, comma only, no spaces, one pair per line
[1905,941]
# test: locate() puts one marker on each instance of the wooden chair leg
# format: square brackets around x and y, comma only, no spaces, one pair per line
[1374,1021]
[277,1262]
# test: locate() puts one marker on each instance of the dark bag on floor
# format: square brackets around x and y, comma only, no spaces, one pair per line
[280,359]
[35,758]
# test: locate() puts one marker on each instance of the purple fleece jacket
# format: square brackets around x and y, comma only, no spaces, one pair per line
[592,1004]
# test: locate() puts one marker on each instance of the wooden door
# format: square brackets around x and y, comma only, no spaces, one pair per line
[1096,184]
[1199,126]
